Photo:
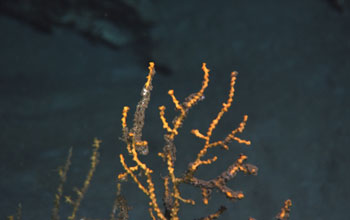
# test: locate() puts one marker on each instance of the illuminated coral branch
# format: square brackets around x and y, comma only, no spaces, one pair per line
[172,205]
[135,146]
[190,101]
[219,182]
[139,116]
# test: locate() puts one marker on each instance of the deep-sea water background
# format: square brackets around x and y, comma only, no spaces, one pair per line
[59,91]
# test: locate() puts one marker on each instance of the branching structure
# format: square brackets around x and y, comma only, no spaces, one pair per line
[136,146]
[172,196]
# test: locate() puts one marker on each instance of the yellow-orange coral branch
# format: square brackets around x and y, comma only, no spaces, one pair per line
[189,201]
[175,101]
[209,161]
[225,106]
[198,134]
[199,162]
[165,123]
[150,210]
[125,114]
[153,198]
[176,193]
[218,143]
[139,163]
[150,74]
[240,129]
[130,172]
[241,126]
[241,141]
[205,82]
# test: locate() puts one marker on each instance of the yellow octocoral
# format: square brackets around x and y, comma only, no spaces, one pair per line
[172,196]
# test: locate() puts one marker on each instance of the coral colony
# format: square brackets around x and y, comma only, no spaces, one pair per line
[136,146]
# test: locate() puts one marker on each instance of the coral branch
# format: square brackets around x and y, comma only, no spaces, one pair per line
[62,172]
[139,116]
[82,191]
[216,214]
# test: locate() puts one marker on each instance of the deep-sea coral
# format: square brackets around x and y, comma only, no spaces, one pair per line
[141,174]
[172,196]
